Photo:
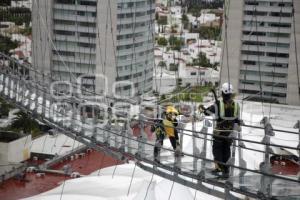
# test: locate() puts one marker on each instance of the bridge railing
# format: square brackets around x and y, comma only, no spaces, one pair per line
[135,142]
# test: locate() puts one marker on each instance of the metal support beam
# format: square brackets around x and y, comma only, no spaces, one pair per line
[265,167]
[142,138]
[44,97]
[233,136]
[242,162]
[4,84]
[195,149]
[297,125]
[203,153]
[128,134]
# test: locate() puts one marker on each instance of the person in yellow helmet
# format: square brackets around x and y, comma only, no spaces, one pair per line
[166,127]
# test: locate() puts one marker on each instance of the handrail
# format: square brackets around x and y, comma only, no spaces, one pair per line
[186,154]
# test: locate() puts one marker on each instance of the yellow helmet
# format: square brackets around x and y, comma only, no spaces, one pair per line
[171,109]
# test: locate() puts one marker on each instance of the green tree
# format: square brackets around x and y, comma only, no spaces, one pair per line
[210,33]
[17,15]
[4,109]
[203,61]
[162,21]
[27,31]
[173,67]
[162,64]
[176,43]
[6,44]
[23,122]
[5,2]
[185,21]
[195,10]
[162,41]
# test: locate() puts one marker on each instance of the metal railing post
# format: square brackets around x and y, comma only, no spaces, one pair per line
[195,149]
[4,84]
[203,153]
[44,97]
[83,119]
[74,118]
[266,165]
[36,100]
[233,135]
[242,162]
[129,134]
[141,138]
[94,124]
[297,125]
[123,134]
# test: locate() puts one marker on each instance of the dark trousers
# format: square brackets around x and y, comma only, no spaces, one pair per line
[221,152]
[160,141]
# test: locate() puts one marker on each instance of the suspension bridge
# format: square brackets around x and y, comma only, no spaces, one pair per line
[100,131]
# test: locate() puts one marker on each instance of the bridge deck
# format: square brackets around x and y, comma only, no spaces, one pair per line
[118,140]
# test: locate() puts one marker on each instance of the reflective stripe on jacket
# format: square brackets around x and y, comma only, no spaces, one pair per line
[235,112]
[226,122]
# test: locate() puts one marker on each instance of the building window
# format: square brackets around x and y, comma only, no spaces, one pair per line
[248,62]
[255,53]
[88,3]
[254,43]
[60,32]
[64,22]
[63,53]
[91,35]
[280,55]
[65,1]
[87,45]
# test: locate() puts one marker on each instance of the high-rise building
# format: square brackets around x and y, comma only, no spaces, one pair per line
[82,38]
[261,44]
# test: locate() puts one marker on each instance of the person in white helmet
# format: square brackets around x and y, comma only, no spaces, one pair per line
[227,113]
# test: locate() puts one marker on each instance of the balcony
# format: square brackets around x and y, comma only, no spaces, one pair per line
[255,68]
[89,40]
[267,19]
[267,29]
[75,7]
[74,28]
[74,18]
[268,8]
[271,89]
[265,49]
[265,39]
[265,59]
[269,79]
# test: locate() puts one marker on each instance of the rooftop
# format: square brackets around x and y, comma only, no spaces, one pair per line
[8,136]
[13,189]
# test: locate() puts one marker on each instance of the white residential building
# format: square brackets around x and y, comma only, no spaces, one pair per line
[23,51]
[260,58]
[22,4]
[73,38]
[14,149]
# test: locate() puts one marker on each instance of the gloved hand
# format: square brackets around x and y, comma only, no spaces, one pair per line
[239,129]
[201,108]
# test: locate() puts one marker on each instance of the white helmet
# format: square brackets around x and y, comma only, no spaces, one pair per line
[227,88]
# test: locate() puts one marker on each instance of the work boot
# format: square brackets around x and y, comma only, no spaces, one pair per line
[225,175]
[157,160]
[177,151]
[216,172]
